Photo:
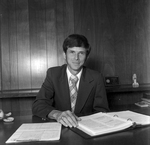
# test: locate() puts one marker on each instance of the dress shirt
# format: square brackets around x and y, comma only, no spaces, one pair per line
[78,75]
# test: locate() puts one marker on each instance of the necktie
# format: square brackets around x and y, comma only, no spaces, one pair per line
[73,91]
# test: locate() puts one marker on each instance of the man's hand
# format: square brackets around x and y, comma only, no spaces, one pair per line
[66,118]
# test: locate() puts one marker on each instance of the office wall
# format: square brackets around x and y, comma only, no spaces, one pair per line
[32,33]
[119,32]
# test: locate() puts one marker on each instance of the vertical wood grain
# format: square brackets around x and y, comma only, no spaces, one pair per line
[51,35]
[0,48]
[37,21]
[0,53]
[123,39]
[60,29]
[95,22]
[142,37]
[118,34]
[14,80]
[23,47]
[17,106]
[5,51]
[32,33]
[68,18]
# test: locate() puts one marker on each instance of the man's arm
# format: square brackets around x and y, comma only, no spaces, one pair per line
[43,103]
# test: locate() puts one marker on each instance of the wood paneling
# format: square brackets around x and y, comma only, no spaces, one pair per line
[23,44]
[5,55]
[18,106]
[14,80]
[32,33]
[0,52]
[51,42]
[119,35]
[32,36]
[37,21]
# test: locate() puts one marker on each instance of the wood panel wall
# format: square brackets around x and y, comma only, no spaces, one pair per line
[119,32]
[32,33]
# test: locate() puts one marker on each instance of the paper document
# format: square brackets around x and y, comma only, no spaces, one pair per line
[139,119]
[36,132]
[102,123]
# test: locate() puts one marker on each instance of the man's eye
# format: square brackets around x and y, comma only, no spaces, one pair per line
[82,53]
[72,52]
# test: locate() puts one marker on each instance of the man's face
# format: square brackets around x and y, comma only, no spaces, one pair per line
[75,58]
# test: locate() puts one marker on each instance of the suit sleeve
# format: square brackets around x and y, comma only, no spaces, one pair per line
[43,103]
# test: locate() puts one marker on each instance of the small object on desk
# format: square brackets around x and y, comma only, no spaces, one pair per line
[1,114]
[146,97]
[112,81]
[142,104]
[6,117]
[135,83]
[145,100]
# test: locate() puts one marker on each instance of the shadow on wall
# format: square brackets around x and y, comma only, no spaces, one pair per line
[92,63]
[106,69]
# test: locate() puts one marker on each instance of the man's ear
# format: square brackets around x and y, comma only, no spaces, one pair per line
[87,57]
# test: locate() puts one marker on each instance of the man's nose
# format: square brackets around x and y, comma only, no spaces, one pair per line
[76,56]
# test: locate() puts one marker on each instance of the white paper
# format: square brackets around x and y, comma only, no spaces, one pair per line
[36,132]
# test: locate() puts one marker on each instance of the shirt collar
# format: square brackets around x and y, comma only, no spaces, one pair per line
[69,74]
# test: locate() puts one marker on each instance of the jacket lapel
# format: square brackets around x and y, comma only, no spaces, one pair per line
[65,88]
[84,90]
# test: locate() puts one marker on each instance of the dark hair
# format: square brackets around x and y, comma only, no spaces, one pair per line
[76,40]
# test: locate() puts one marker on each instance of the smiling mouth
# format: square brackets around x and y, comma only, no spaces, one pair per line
[76,63]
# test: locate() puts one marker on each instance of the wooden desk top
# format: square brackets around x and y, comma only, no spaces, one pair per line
[137,136]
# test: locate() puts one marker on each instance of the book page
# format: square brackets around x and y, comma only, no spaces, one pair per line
[138,118]
[36,132]
[102,123]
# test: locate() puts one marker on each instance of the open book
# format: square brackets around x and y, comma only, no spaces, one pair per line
[36,132]
[102,123]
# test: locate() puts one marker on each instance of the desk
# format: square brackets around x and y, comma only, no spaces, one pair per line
[128,88]
[138,136]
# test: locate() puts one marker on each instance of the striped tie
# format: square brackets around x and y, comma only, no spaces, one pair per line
[73,91]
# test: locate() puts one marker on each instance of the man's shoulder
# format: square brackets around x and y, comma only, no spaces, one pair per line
[57,69]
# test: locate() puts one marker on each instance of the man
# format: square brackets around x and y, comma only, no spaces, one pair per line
[56,100]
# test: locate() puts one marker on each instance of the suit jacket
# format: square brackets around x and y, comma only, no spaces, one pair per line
[54,93]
